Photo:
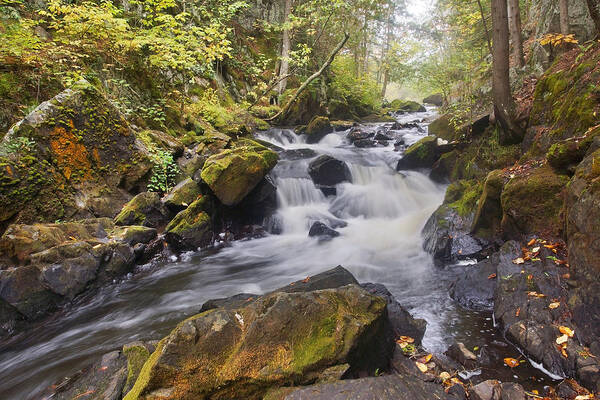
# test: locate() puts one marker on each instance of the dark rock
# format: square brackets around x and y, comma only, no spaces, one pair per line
[342,125]
[132,235]
[358,133]
[402,322]
[327,171]
[192,160]
[298,154]
[364,143]
[261,202]
[460,353]
[435,99]
[105,380]
[322,231]
[442,169]
[487,390]
[407,106]
[192,227]
[389,387]
[513,391]
[489,208]
[474,290]
[382,137]
[447,237]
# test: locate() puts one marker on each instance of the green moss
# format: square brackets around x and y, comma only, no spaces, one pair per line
[193,219]
[463,196]
[134,212]
[407,106]
[318,345]
[318,126]
[137,355]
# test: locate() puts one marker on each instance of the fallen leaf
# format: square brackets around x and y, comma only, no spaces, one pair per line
[584,397]
[566,276]
[425,360]
[305,280]
[529,277]
[492,276]
[103,368]
[563,352]
[535,249]
[518,312]
[406,339]
[511,362]
[554,305]
[531,242]
[444,376]
[567,331]
[422,367]
[535,294]
[518,261]
[562,339]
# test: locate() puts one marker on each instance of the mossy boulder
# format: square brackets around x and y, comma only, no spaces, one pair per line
[407,106]
[192,227]
[489,208]
[161,140]
[233,173]
[193,159]
[564,156]
[278,340]
[182,195]
[318,128]
[73,157]
[422,154]
[436,99]
[144,209]
[442,128]
[136,353]
[532,203]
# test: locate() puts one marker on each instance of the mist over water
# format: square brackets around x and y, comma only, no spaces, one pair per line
[384,211]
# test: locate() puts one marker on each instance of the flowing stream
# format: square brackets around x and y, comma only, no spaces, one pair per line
[384,212]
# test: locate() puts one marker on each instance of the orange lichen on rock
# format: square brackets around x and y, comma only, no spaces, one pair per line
[70,154]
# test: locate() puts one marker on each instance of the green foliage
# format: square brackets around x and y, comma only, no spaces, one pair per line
[360,93]
[164,172]
[19,144]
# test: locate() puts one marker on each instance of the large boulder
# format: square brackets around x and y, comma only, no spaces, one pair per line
[317,129]
[233,173]
[475,287]
[489,208]
[192,227]
[182,195]
[422,154]
[532,202]
[282,338]
[327,171]
[192,160]
[144,209]
[435,99]
[407,106]
[74,156]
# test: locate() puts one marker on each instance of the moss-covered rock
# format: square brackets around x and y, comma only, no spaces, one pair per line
[422,154]
[407,106]
[144,209]
[192,227]
[242,353]
[137,354]
[565,155]
[132,235]
[70,158]
[532,203]
[182,195]
[233,173]
[489,209]
[442,128]
[317,129]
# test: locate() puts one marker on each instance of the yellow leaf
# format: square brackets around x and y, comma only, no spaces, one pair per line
[444,376]
[511,362]
[554,305]
[562,339]
[426,359]
[422,367]
[518,261]
[567,331]
[406,339]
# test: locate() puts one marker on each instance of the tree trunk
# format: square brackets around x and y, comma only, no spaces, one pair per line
[307,82]
[503,102]
[516,37]
[285,49]
[593,6]
[485,28]
[388,41]
[564,16]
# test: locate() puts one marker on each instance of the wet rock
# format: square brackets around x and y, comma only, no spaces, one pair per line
[268,342]
[447,237]
[136,353]
[382,137]
[260,203]
[422,154]
[298,154]
[460,353]
[474,290]
[389,387]
[322,231]
[435,99]
[233,173]
[317,129]
[182,195]
[132,235]
[401,320]
[192,228]
[359,133]
[513,391]
[144,209]
[487,390]
[75,165]
[103,380]
[193,159]
[342,125]
[443,168]
[327,171]
[489,208]
[364,143]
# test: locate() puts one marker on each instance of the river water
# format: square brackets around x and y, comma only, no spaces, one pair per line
[384,211]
